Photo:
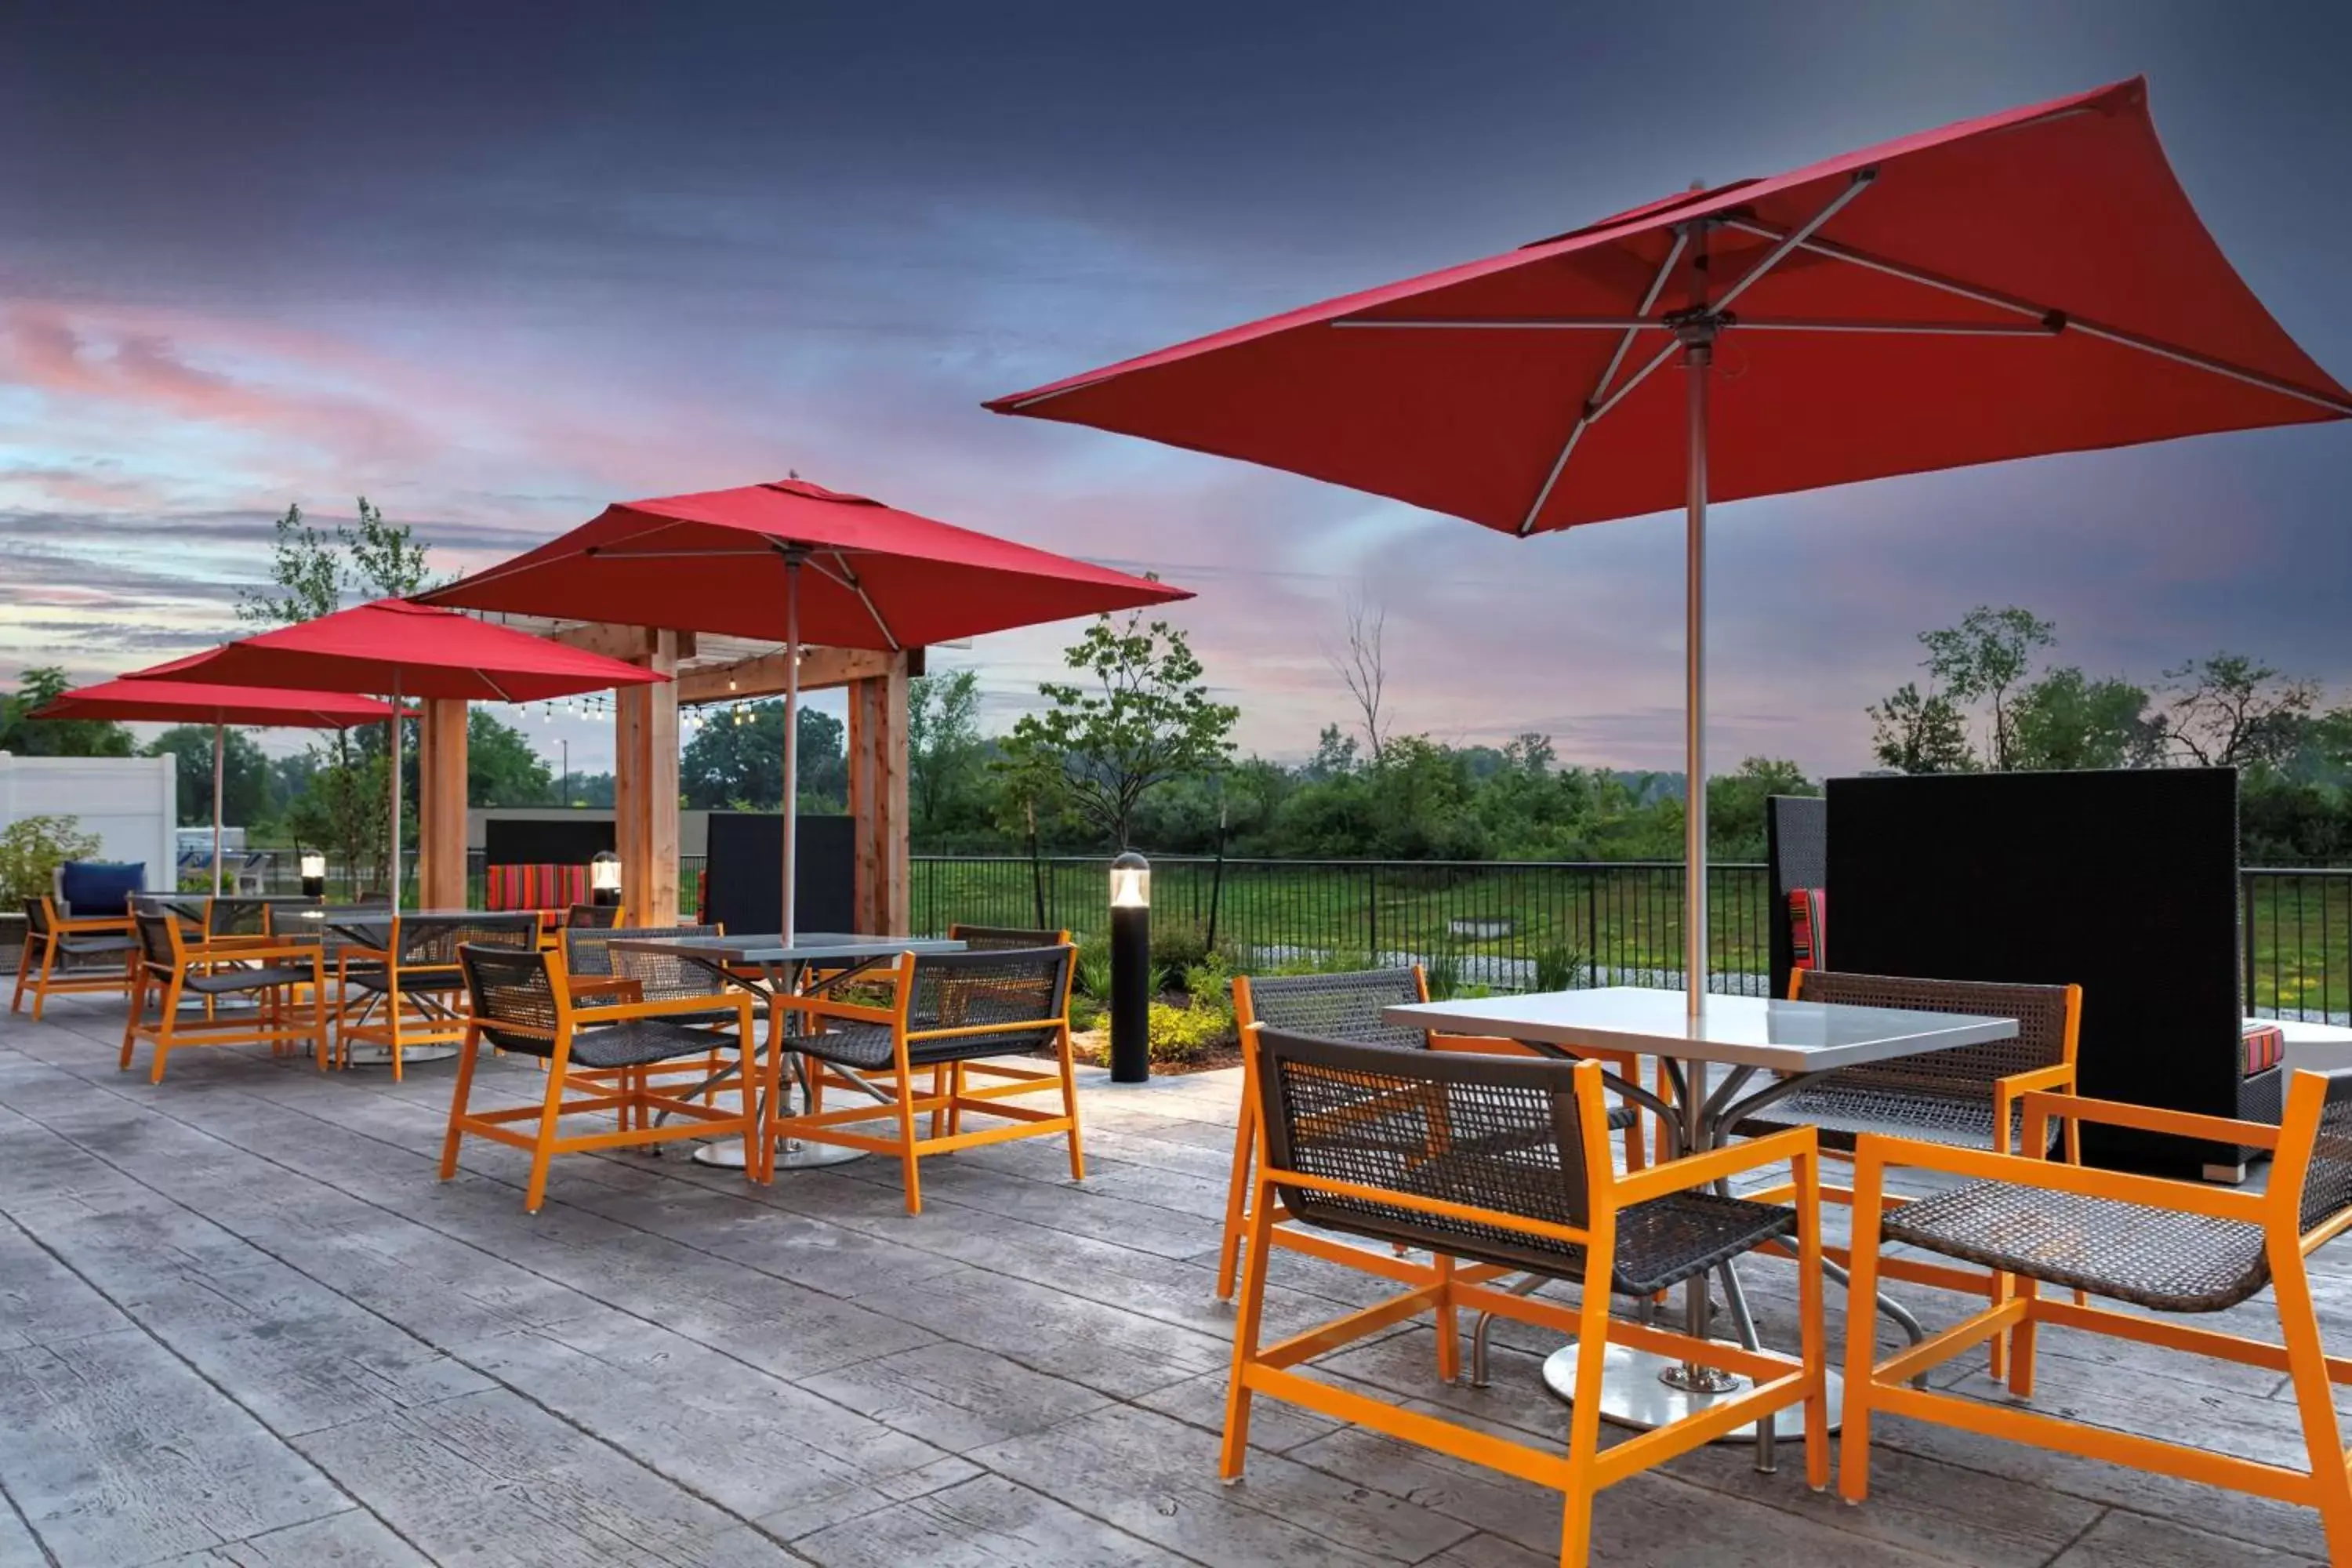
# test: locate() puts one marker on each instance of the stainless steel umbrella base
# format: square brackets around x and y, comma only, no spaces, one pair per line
[1638,1390]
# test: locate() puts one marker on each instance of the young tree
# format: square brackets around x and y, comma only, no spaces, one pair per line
[1919,733]
[502,766]
[1735,805]
[943,745]
[736,759]
[2064,719]
[1144,718]
[1364,665]
[38,687]
[1983,659]
[2229,711]
[245,773]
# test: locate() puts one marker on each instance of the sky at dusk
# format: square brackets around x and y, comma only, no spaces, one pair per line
[496,265]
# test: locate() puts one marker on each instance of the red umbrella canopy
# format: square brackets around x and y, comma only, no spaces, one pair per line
[873,576]
[136,698]
[2032,282]
[412,650]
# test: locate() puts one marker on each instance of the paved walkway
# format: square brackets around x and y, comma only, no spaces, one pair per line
[241,1323]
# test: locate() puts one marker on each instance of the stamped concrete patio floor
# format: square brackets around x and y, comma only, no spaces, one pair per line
[240,1323]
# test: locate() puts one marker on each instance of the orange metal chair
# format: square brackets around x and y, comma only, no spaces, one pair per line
[522,1001]
[1500,1165]
[1347,1006]
[2171,1247]
[70,955]
[948,1014]
[285,983]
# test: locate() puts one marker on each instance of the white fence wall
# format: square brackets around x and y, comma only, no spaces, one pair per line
[130,802]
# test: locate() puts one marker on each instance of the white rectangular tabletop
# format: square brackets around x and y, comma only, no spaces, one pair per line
[771,948]
[1743,1031]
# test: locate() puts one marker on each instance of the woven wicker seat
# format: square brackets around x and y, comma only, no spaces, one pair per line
[1496,1165]
[2156,1257]
[412,982]
[589,956]
[94,946]
[1345,1007]
[522,1001]
[2170,1245]
[230,982]
[950,1013]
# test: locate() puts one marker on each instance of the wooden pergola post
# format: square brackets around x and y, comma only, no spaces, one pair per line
[441,804]
[878,798]
[645,785]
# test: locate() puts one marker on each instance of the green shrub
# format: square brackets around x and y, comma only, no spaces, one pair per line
[31,850]
[1210,981]
[1443,972]
[1559,969]
[1090,977]
[1180,1035]
[1086,1013]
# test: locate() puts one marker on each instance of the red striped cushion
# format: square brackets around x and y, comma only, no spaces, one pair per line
[1808,922]
[2265,1047]
[535,887]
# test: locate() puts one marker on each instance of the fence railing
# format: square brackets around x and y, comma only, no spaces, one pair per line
[1513,925]
[1520,925]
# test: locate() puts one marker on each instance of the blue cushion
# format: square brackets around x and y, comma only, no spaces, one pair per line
[96,888]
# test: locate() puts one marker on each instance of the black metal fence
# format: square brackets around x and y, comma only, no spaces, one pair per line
[1520,925]
[1511,925]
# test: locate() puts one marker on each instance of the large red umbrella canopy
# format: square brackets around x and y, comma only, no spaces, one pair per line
[135,697]
[409,650]
[874,576]
[2034,281]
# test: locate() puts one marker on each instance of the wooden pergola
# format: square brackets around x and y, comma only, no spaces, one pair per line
[704,669]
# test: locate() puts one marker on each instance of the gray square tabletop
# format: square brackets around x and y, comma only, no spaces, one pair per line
[1741,1031]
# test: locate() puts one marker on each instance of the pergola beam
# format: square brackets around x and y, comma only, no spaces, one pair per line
[617,641]
[765,675]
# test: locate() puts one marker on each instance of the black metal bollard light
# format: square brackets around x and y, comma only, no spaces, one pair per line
[314,874]
[1130,968]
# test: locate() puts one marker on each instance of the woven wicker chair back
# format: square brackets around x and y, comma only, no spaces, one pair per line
[236,916]
[510,985]
[592,917]
[1493,1133]
[985,938]
[1963,1071]
[433,940]
[1338,1006]
[2327,1189]
[1024,989]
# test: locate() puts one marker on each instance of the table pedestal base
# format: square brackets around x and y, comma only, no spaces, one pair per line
[1634,1393]
[790,1155]
[410,1056]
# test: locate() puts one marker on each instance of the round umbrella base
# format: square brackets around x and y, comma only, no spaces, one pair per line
[1635,1392]
[410,1056]
[790,1155]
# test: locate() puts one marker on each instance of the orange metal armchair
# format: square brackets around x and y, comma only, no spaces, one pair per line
[2171,1247]
[66,954]
[283,983]
[522,1001]
[1347,1006]
[1500,1165]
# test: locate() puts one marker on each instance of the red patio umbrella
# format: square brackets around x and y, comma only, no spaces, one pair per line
[135,698]
[793,561]
[2032,282]
[405,650]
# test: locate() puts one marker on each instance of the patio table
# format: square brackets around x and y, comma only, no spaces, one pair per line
[781,966]
[1748,1034]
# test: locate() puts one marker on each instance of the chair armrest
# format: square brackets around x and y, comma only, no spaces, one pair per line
[1481,1044]
[2039,1107]
[91,925]
[2061,1077]
[1012,1026]
[1704,1170]
[1873,1150]
[261,947]
[826,1007]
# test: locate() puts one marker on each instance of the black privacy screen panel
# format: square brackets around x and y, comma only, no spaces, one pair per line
[2125,883]
[1796,850]
[560,841]
[746,859]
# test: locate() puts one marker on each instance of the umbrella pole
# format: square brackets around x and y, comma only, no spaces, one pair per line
[791,734]
[395,795]
[217,809]
[1699,358]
